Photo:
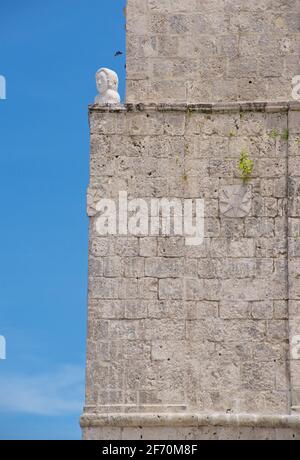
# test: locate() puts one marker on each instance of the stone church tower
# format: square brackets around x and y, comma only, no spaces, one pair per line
[199,342]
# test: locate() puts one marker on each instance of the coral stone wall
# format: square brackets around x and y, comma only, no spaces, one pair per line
[204,329]
[212,50]
[201,341]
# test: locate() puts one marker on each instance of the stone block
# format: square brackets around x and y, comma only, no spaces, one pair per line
[234,310]
[171,288]
[148,247]
[262,310]
[104,288]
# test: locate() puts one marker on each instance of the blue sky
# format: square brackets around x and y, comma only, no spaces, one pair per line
[49,53]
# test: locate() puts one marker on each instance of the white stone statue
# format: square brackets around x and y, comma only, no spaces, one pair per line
[107,83]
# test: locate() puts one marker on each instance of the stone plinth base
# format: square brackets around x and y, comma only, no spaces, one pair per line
[190,427]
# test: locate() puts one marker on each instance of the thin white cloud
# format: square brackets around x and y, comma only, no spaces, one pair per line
[56,393]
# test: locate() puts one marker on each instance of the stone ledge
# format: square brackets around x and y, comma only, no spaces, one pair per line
[189,420]
[218,107]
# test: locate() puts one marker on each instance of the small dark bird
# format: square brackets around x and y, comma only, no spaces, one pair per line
[118,53]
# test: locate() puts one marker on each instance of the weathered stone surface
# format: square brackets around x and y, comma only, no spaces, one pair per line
[213,306]
[191,427]
[183,340]
[219,314]
[194,51]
